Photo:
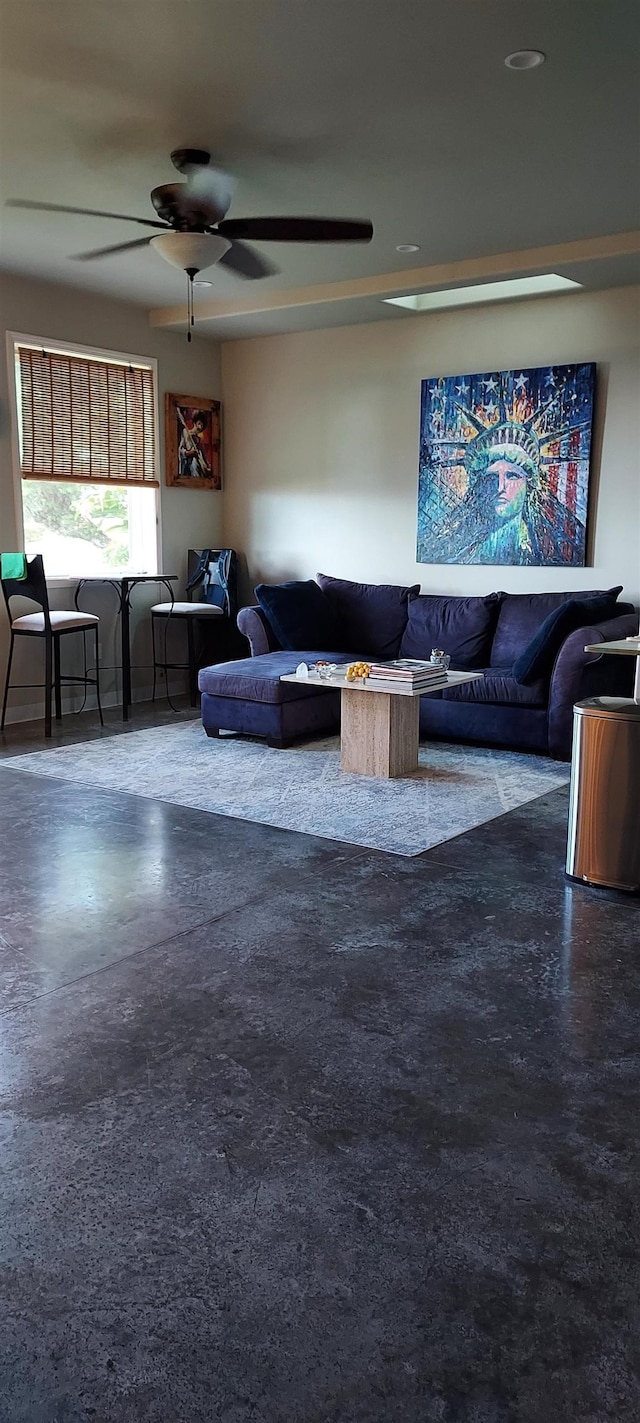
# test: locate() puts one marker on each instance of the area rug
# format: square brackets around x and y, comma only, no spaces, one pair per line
[455,788]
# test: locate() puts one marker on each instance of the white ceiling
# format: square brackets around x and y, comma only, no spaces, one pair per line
[397,110]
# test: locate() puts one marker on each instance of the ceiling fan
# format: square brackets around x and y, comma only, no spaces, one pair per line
[194,232]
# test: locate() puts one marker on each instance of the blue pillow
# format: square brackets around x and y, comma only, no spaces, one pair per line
[536,662]
[373,616]
[463,627]
[300,615]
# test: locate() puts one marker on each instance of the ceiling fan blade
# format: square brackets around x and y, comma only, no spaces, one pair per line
[83,212]
[107,251]
[246,263]
[297,229]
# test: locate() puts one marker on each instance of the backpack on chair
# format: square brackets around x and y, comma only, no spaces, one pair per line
[216,572]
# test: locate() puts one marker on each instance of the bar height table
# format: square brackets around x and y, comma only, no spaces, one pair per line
[123,585]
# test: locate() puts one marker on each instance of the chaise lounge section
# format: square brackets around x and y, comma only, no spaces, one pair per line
[485,634]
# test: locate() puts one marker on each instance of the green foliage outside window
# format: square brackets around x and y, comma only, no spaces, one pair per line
[100,517]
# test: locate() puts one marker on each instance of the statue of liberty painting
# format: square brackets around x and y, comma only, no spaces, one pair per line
[504,467]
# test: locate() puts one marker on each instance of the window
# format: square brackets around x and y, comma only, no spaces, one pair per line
[87,448]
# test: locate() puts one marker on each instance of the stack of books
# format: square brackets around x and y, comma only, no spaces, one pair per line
[407,672]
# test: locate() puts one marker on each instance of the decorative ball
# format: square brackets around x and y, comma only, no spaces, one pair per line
[358,671]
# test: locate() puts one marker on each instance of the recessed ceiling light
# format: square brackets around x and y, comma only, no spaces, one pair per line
[407,247]
[525,59]
[486,292]
[203,284]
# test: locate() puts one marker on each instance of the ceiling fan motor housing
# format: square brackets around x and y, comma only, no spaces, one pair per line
[185,208]
[185,158]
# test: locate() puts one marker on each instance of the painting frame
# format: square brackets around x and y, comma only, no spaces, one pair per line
[505,469]
[192,442]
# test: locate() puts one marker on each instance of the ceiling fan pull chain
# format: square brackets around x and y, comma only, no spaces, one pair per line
[191,273]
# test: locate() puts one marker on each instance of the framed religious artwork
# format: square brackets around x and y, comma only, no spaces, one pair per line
[504,467]
[192,442]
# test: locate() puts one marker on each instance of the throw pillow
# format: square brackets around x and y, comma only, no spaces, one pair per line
[463,627]
[536,662]
[301,617]
[521,616]
[372,616]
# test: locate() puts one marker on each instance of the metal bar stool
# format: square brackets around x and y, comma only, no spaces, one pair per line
[50,626]
[212,573]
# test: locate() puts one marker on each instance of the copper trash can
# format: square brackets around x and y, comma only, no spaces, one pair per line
[604,810]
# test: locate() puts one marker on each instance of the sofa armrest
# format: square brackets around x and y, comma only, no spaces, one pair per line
[578,674]
[253,625]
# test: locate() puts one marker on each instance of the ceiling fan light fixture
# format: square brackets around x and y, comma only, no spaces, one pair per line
[191,251]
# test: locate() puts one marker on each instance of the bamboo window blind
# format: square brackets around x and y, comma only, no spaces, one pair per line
[85,419]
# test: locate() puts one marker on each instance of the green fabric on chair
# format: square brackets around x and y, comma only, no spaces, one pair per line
[13,566]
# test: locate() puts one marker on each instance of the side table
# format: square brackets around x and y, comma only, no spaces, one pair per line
[625,647]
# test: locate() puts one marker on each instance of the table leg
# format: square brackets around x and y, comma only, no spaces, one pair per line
[126,650]
[56,678]
[379,733]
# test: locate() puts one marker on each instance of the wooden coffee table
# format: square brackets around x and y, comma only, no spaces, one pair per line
[379,729]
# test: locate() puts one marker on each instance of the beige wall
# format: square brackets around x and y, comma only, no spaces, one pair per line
[321,440]
[190,518]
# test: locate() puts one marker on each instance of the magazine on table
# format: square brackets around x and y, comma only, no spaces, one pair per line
[407,669]
[400,684]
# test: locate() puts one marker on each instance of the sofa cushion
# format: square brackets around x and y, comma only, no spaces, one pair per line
[372,616]
[536,661]
[463,627]
[520,616]
[498,686]
[300,615]
[257,679]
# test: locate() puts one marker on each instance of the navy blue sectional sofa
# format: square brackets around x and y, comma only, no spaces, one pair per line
[482,634]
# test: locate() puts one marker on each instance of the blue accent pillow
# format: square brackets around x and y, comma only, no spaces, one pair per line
[463,627]
[372,616]
[300,615]
[536,662]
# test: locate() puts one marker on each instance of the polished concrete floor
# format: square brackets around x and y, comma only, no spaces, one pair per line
[298,1133]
